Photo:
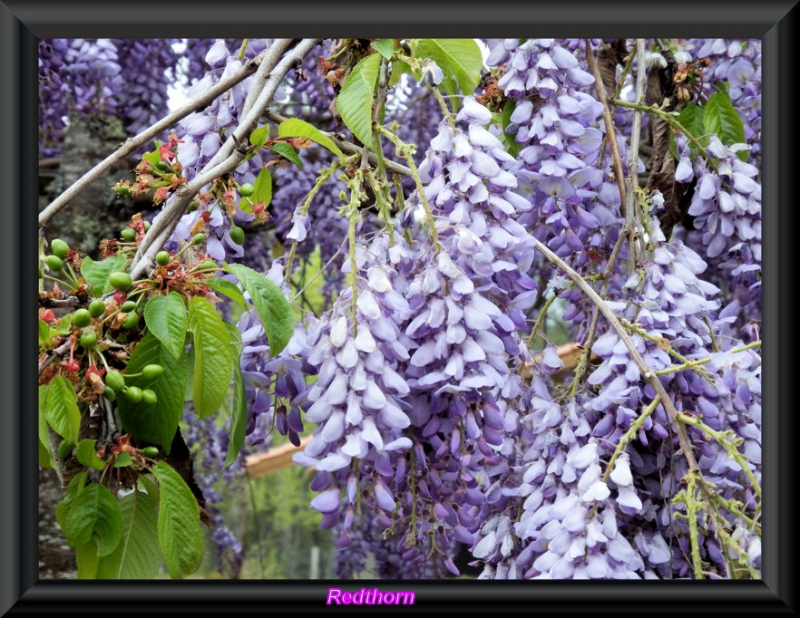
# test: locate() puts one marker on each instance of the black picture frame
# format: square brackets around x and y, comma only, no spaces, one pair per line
[22,22]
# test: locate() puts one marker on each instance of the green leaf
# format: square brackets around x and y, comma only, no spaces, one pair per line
[239,412]
[87,454]
[691,119]
[511,145]
[62,412]
[150,487]
[459,59]
[123,460]
[94,515]
[263,187]
[354,101]
[294,127]
[722,118]
[385,47]
[154,156]
[213,357]
[179,533]
[45,456]
[272,307]
[287,152]
[259,136]
[229,289]
[399,66]
[44,332]
[96,273]
[87,560]
[165,317]
[138,555]
[156,423]
[75,487]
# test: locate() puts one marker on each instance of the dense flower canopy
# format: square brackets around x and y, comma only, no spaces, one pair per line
[438,264]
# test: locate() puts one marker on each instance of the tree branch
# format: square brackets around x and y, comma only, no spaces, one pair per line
[647,373]
[131,144]
[225,160]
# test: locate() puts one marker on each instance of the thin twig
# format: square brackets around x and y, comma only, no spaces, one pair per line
[611,133]
[347,147]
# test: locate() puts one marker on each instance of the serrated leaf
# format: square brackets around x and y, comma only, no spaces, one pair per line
[287,152]
[229,289]
[87,454]
[272,307]
[721,117]
[45,456]
[294,127]
[239,411]
[138,555]
[354,100]
[385,47]
[213,357]
[75,487]
[459,59]
[96,273]
[94,515]
[62,411]
[179,533]
[165,317]
[155,423]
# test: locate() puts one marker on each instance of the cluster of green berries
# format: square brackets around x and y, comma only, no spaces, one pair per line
[115,383]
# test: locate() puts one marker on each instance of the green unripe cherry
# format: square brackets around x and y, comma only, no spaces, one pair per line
[128,234]
[133,394]
[128,306]
[162,258]
[88,340]
[120,281]
[152,372]
[115,380]
[147,225]
[110,393]
[65,448]
[54,262]
[246,190]
[59,248]
[206,264]
[149,451]
[237,234]
[198,238]
[131,321]
[81,318]
[97,308]
[149,396]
